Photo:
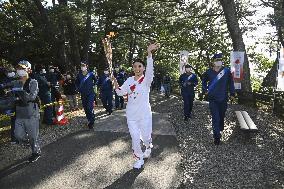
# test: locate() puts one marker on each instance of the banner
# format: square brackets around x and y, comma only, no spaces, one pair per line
[280,74]
[183,61]
[237,67]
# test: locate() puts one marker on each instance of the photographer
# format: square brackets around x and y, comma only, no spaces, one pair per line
[27,108]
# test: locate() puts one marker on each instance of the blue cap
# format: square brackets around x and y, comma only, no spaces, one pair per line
[218,56]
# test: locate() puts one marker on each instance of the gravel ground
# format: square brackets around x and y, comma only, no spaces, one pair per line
[243,160]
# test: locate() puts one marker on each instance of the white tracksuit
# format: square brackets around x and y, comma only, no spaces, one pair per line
[138,109]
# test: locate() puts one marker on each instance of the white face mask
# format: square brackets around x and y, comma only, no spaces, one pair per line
[11,74]
[51,70]
[218,63]
[43,71]
[68,76]
[106,72]
[22,73]
[84,68]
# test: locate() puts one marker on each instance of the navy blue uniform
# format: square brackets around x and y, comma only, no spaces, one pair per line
[106,92]
[167,85]
[187,83]
[121,78]
[45,97]
[86,88]
[13,117]
[52,78]
[218,96]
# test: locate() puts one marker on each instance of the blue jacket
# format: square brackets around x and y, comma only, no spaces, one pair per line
[220,91]
[105,83]
[43,86]
[85,87]
[186,87]
[120,77]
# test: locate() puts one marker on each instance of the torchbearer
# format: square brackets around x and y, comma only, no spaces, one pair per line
[215,84]
[138,109]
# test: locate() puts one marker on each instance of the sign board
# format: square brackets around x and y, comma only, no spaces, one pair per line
[183,61]
[237,67]
[280,75]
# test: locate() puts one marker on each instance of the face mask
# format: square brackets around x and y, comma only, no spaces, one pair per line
[218,63]
[188,69]
[84,68]
[11,74]
[106,72]
[43,71]
[51,70]
[68,76]
[22,73]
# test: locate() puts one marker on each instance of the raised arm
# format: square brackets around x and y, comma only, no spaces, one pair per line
[149,75]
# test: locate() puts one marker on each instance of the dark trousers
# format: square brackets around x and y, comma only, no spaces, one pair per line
[218,110]
[13,138]
[187,103]
[88,105]
[53,99]
[106,98]
[48,111]
[119,101]
[167,88]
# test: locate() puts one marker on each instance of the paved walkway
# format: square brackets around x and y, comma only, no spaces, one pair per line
[100,159]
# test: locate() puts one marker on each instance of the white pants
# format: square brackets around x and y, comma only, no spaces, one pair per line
[140,129]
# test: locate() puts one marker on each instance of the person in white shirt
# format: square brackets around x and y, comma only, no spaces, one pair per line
[138,109]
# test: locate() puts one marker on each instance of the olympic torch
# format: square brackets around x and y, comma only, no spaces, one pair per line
[108,50]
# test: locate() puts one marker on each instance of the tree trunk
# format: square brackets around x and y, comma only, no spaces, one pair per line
[61,44]
[229,9]
[75,54]
[280,25]
[87,38]
[74,48]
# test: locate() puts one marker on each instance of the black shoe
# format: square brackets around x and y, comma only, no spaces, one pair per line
[91,126]
[110,112]
[185,118]
[34,157]
[216,141]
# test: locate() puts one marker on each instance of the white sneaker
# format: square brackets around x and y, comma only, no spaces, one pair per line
[147,153]
[138,163]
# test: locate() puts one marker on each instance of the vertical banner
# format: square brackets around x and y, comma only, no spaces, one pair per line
[280,74]
[237,67]
[183,61]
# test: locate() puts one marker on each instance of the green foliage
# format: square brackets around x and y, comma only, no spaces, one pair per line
[197,26]
[256,83]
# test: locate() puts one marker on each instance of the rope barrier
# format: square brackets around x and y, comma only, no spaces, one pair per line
[7,116]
